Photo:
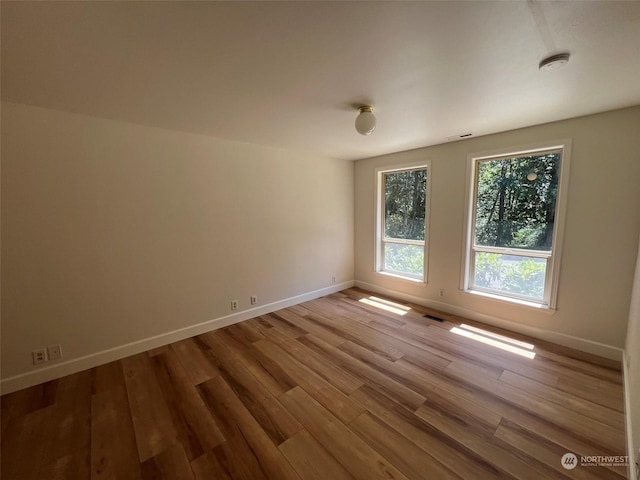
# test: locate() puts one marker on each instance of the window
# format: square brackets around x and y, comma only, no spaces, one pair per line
[515,224]
[402,222]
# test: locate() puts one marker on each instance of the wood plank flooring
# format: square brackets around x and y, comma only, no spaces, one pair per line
[348,386]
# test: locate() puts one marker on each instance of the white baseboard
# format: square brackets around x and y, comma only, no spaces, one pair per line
[631,451]
[589,346]
[74,365]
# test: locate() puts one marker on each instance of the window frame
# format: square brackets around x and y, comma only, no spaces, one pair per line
[380,240]
[553,257]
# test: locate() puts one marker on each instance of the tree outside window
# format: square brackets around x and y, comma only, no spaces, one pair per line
[514,223]
[403,206]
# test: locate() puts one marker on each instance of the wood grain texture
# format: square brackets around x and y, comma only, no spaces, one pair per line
[240,422]
[335,388]
[356,455]
[274,419]
[195,428]
[402,452]
[111,419]
[152,420]
[194,360]
[171,464]
[311,460]
[328,395]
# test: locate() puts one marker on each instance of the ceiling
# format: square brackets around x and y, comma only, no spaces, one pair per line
[289,74]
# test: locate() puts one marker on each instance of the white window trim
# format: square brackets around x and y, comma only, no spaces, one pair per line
[378,252]
[553,266]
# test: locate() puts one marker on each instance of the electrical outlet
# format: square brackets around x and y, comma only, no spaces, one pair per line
[39,356]
[333,280]
[254,299]
[441,293]
[234,304]
[54,352]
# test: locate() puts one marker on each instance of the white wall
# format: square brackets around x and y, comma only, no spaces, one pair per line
[114,232]
[600,243]
[632,384]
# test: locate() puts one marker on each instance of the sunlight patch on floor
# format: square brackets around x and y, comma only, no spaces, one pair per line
[497,336]
[386,305]
[495,340]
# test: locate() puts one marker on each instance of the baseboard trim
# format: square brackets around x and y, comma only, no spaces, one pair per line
[632,470]
[582,344]
[74,365]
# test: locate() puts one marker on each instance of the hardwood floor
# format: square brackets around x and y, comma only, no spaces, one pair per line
[347,386]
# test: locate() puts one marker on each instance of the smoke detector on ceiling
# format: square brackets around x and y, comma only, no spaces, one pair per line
[554,62]
[458,137]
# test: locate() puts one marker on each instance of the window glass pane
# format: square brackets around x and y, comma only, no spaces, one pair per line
[404,258]
[510,273]
[516,201]
[405,197]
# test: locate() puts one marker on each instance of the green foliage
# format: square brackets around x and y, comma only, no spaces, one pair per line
[524,276]
[404,258]
[488,271]
[528,235]
[516,201]
[405,201]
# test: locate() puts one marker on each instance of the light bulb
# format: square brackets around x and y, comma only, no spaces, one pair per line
[366,121]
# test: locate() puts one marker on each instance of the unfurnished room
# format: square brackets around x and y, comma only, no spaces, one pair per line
[319,240]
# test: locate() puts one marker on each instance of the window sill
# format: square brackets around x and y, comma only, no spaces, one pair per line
[514,301]
[417,281]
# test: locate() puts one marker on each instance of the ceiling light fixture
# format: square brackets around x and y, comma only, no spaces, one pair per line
[554,62]
[366,121]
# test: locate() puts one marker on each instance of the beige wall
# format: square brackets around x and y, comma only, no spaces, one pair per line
[600,243]
[114,232]
[632,350]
